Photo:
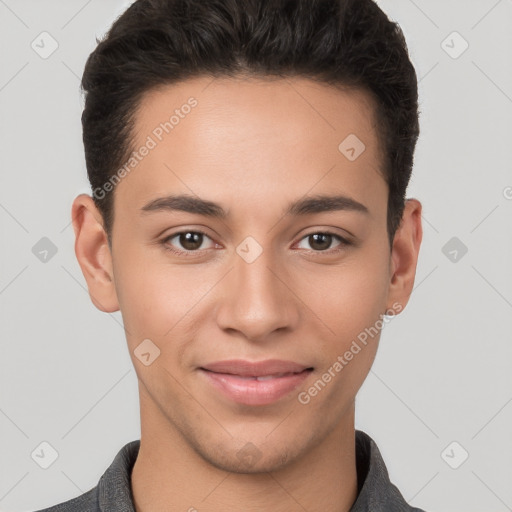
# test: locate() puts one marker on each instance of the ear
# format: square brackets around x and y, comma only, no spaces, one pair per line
[404,256]
[93,253]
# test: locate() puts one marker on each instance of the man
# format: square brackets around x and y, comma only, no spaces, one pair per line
[249,162]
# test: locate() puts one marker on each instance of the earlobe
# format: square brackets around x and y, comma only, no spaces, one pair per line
[404,255]
[93,253]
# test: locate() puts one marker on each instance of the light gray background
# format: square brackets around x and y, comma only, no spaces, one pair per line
[443,371]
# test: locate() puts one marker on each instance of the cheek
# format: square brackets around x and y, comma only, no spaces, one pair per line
[351,297]
[350,300]
[158,300]
[353,314]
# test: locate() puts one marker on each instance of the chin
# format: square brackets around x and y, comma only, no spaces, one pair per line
[249,459]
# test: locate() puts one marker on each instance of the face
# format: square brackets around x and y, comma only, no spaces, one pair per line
[278,251]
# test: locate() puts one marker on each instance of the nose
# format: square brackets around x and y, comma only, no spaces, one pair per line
[257,299]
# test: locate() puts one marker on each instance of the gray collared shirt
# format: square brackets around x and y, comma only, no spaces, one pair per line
[113,493]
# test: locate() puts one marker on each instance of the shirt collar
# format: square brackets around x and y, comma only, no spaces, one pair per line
[376,492]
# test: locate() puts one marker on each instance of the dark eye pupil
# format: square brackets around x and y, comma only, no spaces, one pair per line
[191,241]
[320,241]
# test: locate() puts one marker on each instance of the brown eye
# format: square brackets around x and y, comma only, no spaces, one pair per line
[187,241]
[190,241]
[321,241]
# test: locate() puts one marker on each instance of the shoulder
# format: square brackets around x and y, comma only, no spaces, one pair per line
[113,491]
[376,491]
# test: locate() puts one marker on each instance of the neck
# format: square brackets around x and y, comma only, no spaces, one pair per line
[169,475]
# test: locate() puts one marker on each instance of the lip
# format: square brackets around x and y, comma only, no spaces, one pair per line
[236,379]
[255,369]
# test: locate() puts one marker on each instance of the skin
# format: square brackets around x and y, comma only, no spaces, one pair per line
[252,146]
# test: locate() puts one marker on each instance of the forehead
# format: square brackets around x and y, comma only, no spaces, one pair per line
[304,106]
[227,134]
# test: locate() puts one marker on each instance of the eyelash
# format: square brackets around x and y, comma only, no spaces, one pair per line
[343,243]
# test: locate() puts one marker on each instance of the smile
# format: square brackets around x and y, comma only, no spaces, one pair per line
[255,390]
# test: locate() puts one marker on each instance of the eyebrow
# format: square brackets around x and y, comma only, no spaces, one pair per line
[306,206]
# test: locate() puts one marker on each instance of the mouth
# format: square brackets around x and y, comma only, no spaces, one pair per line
[261,378]
[255,383]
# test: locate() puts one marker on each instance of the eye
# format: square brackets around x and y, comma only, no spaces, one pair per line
[187,241]
[322,241]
